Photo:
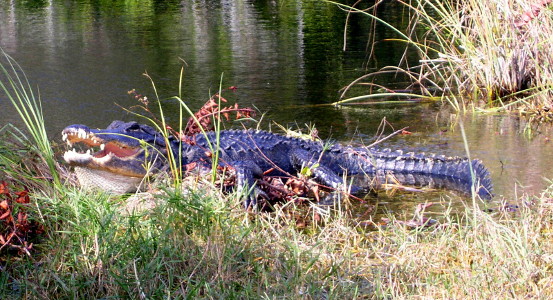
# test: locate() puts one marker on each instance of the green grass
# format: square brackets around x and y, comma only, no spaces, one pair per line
[18,90]
[200,243]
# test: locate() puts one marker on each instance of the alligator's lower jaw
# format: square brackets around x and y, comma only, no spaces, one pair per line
[107,181]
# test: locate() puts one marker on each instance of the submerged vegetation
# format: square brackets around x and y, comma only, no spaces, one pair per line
[496,54]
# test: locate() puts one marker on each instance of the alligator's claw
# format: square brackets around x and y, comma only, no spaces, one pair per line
[251,200]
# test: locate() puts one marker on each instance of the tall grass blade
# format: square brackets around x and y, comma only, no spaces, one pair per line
[17,88]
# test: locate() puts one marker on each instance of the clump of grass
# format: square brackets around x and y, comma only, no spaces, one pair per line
[19,91]
[28,164]
[207,119]
[203,244]
[505,256]
[481,52]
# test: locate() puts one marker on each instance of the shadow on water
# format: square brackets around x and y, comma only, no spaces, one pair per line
[284,57]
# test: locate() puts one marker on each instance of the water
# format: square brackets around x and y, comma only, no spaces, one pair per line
[285,58]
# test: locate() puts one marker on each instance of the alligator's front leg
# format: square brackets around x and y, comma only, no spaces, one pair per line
[246,174]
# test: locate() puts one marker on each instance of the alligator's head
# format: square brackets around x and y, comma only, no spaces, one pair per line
[117,158]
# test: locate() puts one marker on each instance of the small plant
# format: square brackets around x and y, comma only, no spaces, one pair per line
[17,230]
[208,118]
[202,120]
[210,110]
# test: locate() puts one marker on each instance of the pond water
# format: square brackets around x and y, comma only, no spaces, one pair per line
[285,58]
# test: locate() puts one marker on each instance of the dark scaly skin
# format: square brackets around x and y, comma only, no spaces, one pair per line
[251,153]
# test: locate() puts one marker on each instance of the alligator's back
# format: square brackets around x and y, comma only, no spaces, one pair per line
[287,155]
[265,149]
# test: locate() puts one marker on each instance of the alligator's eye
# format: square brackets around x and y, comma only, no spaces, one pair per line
[133,127]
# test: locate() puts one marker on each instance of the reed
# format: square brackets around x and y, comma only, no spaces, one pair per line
[488,53]
[20,93]
[482,49]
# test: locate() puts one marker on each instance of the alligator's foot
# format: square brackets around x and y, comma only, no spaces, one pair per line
[251,199]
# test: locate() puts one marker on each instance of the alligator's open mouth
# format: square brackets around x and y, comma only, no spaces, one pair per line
[95,151]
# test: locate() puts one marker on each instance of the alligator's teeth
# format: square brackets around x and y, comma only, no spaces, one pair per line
[102,146]
[88,151]
[82,134]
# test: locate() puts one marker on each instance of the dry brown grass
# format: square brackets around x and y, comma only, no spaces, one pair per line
[488,53]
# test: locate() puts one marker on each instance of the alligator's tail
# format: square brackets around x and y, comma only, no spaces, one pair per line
[455,173]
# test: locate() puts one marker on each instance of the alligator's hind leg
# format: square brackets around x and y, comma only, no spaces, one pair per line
[319,171]
[246,174]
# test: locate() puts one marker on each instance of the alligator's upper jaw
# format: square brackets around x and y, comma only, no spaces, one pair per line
[114,153]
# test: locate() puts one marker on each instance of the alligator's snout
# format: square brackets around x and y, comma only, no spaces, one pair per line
[98,151]
[105,153]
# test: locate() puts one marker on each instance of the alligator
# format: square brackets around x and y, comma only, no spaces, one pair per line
[129,151]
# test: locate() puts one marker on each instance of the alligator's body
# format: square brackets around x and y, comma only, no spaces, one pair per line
[251,153]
